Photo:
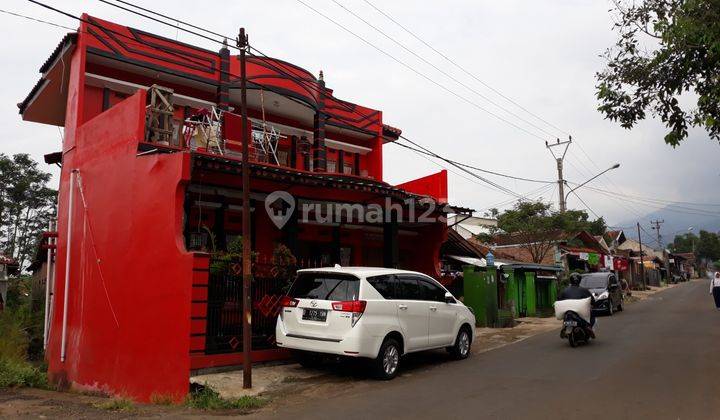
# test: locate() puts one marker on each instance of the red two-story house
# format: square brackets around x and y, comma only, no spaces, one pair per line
[150,196]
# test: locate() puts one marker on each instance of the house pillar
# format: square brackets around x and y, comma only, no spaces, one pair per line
[511,293]
[391,248]
[223,90]
[530,295]
[552,291]
[491,297]
[319,147]
[336,245]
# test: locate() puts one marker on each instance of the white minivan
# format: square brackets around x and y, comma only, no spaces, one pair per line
[375,313]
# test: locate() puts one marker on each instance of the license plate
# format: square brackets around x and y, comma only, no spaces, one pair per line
[315,315]
[570,323]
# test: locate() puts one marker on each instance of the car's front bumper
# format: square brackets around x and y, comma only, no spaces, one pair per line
[601,305]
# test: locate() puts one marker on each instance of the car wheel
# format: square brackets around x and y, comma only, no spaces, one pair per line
[461,349]
[388,360]
[307,359]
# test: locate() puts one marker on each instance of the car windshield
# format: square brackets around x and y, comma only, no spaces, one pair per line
[594,282]
[325,286]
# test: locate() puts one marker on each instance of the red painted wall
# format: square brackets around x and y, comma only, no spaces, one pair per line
[434,185]
[130,278]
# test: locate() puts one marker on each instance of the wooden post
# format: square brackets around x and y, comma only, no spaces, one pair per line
[642,261]
[247,244]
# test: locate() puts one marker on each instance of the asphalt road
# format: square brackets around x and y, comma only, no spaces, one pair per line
[659,359]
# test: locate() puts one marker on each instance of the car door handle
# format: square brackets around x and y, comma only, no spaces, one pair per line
[403,307]
[433,308]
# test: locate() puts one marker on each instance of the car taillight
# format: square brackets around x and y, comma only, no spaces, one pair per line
[357,307]
[288,302]
[350,306]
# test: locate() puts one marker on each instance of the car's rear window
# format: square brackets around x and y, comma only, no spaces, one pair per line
[594,281]
[325,286]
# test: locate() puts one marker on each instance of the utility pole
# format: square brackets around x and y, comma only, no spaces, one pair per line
[642,261]
[655,224]
[242,43]
[559,158]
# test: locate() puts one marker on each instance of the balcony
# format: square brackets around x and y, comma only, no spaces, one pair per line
[216,132]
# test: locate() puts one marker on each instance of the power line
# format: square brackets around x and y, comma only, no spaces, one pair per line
[585,204]
[278,66]
[696,212]
[446,74]
[453,62]
[654,202]
[412,69]
[476,168]
[498,186]
[36,20]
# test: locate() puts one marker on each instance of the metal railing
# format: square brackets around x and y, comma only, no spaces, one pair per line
[225,309]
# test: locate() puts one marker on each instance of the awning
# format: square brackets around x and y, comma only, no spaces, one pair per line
[477,262]
[515,265]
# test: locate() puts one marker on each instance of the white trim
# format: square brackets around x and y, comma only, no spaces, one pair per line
[68,248]
[128,87]
[340,145]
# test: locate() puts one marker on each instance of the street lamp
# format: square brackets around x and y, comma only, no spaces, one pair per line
[615,166]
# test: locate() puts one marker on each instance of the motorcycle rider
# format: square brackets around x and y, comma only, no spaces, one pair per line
[575,291]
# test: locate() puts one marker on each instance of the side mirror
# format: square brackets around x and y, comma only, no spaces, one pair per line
[449,298]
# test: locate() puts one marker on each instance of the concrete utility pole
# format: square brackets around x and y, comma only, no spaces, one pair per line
[642,261]
[559,161]
[655,224]
[242,43]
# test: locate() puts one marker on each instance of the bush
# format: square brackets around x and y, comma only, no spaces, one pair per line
[15,339]
[19,373]
[116,404]
[207,398]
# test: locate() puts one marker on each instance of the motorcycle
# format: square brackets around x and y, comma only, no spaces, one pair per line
[576,329]
[575,314]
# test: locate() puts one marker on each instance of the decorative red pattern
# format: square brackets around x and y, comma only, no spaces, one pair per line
[269,305]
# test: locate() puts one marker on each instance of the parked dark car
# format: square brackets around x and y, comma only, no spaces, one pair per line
[606,290]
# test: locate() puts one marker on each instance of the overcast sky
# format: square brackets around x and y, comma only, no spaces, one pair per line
[542,54]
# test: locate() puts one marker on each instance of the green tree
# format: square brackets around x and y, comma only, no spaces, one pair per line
[26,205]
[535,225]
[666,49]
[683,243]
[706,245]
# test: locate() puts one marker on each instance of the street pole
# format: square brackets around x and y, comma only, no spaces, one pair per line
[561,185]
[642,261]
[559,162]
[246,243]
[656,225]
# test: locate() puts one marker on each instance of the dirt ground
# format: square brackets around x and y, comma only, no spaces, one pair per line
[288,383]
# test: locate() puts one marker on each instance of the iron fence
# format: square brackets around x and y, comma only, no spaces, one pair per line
[225,306]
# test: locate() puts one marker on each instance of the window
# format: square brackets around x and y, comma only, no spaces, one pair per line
[331,166]
[325,286]
[408,289]
[385,285]
[432,291]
